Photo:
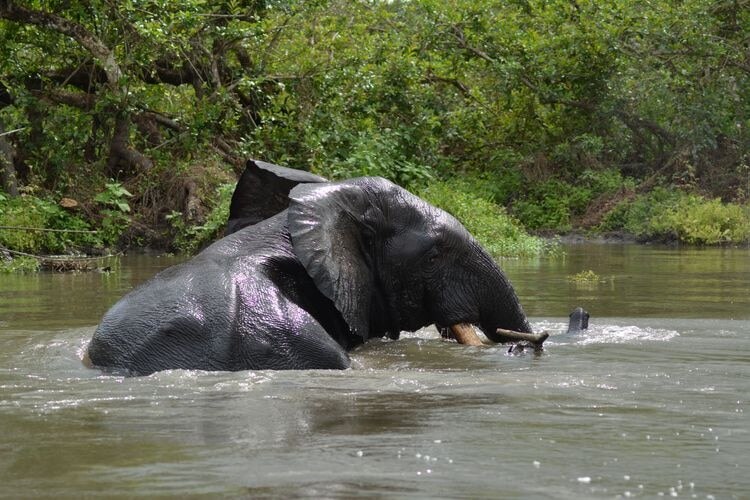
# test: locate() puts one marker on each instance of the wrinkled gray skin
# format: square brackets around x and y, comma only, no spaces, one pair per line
[579,320]
[346,262]
[263,191]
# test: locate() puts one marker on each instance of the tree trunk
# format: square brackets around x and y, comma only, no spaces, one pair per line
[120,150]
[8,180]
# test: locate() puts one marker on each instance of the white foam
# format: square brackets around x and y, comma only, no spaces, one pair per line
[604,334]
[616,334]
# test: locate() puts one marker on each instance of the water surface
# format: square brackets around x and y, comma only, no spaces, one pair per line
[650,401]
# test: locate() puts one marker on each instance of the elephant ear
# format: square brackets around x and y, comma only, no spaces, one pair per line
[262,192]
[329,226]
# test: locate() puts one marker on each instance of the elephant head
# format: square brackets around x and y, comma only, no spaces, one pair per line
[389,261]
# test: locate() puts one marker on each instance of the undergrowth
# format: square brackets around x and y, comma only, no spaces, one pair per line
[23,215]
[554,204]
[673,215]
[19,265]
[488,222]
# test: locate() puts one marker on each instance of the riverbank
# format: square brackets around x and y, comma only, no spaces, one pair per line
[106,223]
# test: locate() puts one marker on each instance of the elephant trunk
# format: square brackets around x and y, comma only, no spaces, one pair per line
[500,311]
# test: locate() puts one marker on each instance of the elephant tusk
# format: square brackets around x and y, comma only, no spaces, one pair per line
[86,360]
[536,339]
[464,333]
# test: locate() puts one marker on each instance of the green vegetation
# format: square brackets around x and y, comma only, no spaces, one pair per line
[28,212]
[19,265]
[623,115]
[115,214]
[487,221]
[671,215]
[191,238]
[587,276]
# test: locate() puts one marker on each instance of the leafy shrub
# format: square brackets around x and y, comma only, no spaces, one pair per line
[485,220]
[673,215]
[695,220]
[19,264]
[553,204]
[31,212]
[116,214]
[500,186]
[582,149]
[379,154]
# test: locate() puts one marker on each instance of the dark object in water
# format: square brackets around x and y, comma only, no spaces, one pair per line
[579,321]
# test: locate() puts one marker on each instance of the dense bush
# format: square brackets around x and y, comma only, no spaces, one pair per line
[190,238]
[554,204]
[673,215]
[24,214]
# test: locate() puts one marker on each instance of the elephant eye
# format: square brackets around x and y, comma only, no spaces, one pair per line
[432,255]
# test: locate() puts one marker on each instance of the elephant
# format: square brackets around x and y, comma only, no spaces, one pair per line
[346,262]
[263,191]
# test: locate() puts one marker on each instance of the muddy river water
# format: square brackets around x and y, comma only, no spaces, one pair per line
[651,401]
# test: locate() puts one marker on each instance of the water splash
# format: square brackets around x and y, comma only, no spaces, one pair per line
[614,334]
[605,334]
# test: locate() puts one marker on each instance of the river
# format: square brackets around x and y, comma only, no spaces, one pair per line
[651,401]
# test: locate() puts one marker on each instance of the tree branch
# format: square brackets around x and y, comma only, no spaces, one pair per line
[12,12]
[433,78]
[119,148]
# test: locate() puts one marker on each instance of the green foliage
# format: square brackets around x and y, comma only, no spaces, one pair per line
[587,276]
[114,196]
[486,221]
[29,213]
[675,215]
[116,218]
[548,206]
[635,216]
[191,238]
[378,155]
[553,204]
[695,220]
[412,91]
[19,265]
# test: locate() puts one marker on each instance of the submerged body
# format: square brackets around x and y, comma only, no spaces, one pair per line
[238,312]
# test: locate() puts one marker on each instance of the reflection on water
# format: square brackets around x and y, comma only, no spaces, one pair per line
[650,401]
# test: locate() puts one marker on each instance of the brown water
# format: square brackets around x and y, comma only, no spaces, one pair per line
[651,401]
